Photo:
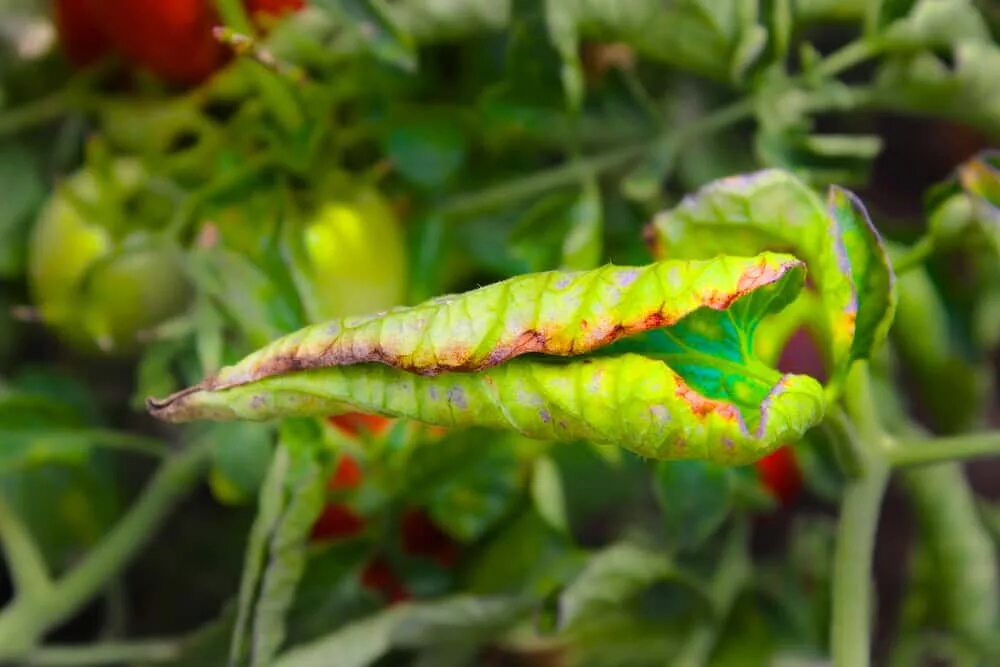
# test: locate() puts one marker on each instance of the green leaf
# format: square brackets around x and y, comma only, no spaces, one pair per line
[695,498]
[583,244]
[772,209]
[690,389]
[291,499]
[376,29]
[547,494]
[456,620]
[718,38]
[427,150]
[925,83]
[23,192]
[925,23]
[241,454]
[963,557]
[613,578]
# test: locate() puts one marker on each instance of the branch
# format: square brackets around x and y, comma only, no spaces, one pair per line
[921,451]
[28,618]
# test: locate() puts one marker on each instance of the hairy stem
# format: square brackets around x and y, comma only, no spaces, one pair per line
[850,632]
[921,451]
[24,561]
[106,653]
[28,617]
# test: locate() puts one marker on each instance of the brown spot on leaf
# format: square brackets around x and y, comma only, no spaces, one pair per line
[702,407]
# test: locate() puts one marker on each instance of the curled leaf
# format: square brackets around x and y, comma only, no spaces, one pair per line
[659,361]
[773,210]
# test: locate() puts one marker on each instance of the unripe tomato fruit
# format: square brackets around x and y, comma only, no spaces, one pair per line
[94,289]
[350,256]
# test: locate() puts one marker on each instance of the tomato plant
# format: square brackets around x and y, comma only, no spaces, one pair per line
[499,332]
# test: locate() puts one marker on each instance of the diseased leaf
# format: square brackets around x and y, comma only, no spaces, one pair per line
[696,391]
[773,210]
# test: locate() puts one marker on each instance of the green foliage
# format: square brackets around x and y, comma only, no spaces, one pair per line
[285,228]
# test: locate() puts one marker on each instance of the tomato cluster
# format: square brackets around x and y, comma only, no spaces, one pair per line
[170,38]
[419,535]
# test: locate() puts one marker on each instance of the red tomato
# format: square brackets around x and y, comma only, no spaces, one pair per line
[337,521]
[379,577]
[170,38]
[81,37]
[780,474]
[353,423]
[421,537]
[348,475]
[274,7]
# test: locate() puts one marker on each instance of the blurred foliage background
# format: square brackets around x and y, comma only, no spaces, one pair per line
[173,197]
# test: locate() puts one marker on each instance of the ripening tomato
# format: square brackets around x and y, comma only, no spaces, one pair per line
[81,37]
[171,38]
[780,474]
[347,475]
[353,423]
[338,521]
[422,537]
[350,255]
[94,288]
[378,576]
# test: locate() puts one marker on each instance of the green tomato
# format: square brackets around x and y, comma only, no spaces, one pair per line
[94,288]
[350,258]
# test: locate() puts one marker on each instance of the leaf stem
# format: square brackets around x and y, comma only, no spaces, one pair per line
[922,451]
[845,58]
[105,653]
[25,620]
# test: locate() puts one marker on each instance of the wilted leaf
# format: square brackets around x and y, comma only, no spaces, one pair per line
[770,210]
[699,393]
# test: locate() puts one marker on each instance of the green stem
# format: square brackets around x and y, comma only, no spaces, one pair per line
[921,451]
[845,58]
[571,172]
[24,561]
[28,617]
[914,256]
[105,653]
[850,632]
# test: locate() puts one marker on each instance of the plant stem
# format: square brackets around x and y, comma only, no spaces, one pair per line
[914,256]
[845,58]
[153,650]
[571,172]
[24,561]
[25,620]
[850,632]
[921,451]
